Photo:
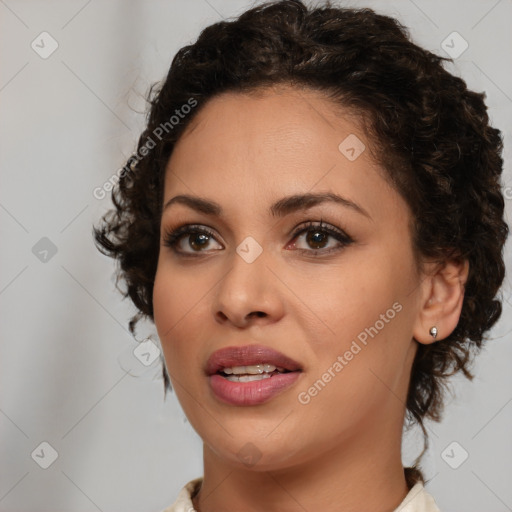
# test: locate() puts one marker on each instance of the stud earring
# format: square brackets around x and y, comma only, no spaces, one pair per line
[433,332]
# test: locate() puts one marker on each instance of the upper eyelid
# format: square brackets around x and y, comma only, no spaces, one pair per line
[188,228]
[320,224]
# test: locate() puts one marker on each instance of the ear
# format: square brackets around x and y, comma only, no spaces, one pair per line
[441,298]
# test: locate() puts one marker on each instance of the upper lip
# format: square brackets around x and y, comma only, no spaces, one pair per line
[248,355]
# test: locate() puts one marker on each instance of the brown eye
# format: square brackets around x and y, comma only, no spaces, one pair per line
[192,240]
[317,239]
[198,241]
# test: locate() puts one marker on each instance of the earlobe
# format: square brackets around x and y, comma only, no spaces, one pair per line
[441,302]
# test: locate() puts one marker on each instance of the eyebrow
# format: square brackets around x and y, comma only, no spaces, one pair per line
[283,207]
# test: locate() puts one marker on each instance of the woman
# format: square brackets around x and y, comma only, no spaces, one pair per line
[313,220]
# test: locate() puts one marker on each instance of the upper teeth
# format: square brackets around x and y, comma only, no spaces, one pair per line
[252,370]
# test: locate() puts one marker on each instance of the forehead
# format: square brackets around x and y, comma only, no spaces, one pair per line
[275,142]
[281,117]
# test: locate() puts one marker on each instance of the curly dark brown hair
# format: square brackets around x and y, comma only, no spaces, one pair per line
[432,136]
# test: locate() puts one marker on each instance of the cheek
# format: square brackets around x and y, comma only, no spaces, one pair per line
[366,307]
[176,292]
[176,302]
[182,303]
[362,370]
[166,305]
[351,297]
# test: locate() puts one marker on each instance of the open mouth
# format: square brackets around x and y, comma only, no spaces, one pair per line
[249,360]
[251,373]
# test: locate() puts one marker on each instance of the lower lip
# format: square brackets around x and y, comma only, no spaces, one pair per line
[251,393]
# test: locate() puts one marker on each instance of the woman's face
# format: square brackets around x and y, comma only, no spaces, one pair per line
[339,298]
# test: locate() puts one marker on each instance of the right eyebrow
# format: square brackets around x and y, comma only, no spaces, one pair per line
[196,203]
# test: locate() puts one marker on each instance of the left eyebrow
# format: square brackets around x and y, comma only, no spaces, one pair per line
[297,202]
[283,207]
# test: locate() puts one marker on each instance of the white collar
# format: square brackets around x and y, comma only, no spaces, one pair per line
[417,499]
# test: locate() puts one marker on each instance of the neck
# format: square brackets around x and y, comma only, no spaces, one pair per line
[363,472]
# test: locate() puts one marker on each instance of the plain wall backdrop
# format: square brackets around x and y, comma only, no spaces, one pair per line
[73,81]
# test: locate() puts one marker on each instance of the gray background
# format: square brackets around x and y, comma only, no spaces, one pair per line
[68,375]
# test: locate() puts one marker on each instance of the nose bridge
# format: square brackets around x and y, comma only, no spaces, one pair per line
[247,287]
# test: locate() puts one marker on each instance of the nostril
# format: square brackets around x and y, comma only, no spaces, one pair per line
[239,320]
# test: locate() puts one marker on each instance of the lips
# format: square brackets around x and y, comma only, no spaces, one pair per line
[247,391]
[248,355]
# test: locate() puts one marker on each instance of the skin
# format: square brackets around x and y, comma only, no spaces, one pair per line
[341,451]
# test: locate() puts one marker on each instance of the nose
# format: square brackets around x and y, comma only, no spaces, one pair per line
[248,294]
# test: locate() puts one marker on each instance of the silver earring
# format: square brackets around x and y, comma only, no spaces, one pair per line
[433,332]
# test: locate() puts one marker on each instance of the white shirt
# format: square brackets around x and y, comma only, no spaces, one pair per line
[417,499]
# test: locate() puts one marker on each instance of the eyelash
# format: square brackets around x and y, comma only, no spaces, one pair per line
[339,235]
[172,238]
